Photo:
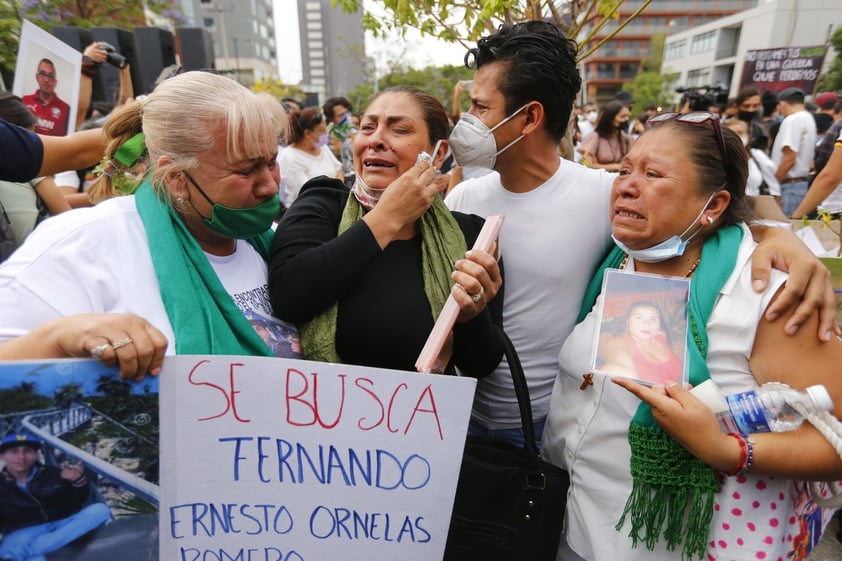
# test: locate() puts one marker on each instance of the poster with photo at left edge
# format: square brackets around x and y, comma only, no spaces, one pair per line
[36,46]
[81,415]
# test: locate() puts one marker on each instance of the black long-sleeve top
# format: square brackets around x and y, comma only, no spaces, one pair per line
[384,315]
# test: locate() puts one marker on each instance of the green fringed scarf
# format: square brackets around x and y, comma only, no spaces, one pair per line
[442,243]
[203,315]
[673,491]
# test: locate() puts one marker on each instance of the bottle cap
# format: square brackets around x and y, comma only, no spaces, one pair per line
[708,393]
[820,398]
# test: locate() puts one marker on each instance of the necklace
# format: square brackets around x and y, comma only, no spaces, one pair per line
[689,272]
[692,268]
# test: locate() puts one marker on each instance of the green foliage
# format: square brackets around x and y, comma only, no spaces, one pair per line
[67,395]
[10,25]
[436,81]
[23,398]
[466,21]
[652,88]
[832,79]
[653,62]
[277,89]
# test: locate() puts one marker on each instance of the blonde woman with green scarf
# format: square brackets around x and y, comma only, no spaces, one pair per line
[177,267]
[364,274]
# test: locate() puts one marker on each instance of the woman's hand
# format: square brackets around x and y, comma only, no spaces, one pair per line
[402,203]
[689,421]
[96,52]
[478,280]
[809,285]
[126,340]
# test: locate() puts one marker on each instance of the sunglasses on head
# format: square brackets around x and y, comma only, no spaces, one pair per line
[695,118]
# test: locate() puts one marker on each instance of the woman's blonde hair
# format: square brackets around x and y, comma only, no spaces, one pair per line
[182,116]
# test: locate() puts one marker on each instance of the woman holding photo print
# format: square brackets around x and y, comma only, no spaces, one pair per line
[653,477]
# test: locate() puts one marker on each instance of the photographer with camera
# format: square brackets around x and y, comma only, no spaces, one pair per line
[94,55]
[703,98]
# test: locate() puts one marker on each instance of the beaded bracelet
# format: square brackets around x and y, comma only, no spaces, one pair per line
[746,455]
[89,66]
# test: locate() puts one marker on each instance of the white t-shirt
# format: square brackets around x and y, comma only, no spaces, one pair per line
[798,131]
[552,240]
[833,202]
[760,169]
[97,260]
[297,167]
[20,200]
[67,179]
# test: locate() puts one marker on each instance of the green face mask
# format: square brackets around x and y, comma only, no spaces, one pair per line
[240,223]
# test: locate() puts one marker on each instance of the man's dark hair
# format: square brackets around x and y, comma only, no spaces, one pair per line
[770,102]
[332,102]
[745,93]
[291,104]
[541,66]
[13,110]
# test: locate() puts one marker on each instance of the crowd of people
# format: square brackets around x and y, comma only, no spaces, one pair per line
[789,141]
[359,265]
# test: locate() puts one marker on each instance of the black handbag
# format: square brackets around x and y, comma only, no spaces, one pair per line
[509,501]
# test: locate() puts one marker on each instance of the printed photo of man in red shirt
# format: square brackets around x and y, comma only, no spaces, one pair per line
[50,110]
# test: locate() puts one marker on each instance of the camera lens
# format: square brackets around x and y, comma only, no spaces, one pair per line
[114,58]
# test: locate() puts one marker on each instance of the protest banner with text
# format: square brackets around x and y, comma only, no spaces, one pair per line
[777,69]
[268,459]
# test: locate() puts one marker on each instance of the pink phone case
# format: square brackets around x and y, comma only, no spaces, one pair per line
[429,359]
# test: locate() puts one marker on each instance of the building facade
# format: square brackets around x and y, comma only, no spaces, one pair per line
[714,54]
[243,34]
[620,58]
[332,48]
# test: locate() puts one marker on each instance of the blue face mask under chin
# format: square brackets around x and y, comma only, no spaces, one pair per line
[673,246]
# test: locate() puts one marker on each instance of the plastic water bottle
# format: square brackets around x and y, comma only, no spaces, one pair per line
[767,409]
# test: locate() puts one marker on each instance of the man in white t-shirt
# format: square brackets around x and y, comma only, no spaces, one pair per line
[793,149]
[557,224]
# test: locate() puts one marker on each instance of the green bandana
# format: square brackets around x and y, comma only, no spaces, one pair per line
[442,243]
[203,315]
[672,491]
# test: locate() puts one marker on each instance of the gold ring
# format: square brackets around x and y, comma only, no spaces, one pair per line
[97,351]
[478,296]
[121,343]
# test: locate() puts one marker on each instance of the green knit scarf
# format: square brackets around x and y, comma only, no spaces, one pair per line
[203,315]
[673,491]
[442,243]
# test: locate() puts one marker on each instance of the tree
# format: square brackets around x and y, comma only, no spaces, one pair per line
[23,397]
[277,89]
[437,81]
[650,87]
[653,88]
[465,21]
[832,79]
[9,39]
[67,394]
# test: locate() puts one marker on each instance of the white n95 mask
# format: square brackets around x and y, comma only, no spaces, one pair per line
[473,144]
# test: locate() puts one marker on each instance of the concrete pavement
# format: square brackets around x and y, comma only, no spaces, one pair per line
[830,548]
